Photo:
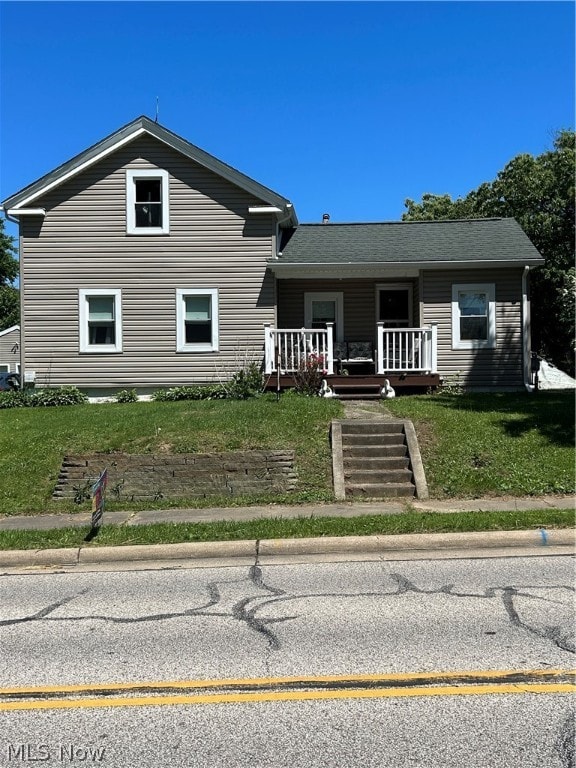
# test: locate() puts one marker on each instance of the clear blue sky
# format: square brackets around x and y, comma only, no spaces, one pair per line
[343,107]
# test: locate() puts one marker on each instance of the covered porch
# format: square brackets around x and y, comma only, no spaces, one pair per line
[406,357]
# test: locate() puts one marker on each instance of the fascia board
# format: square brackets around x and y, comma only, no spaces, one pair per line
[337,268]
[9,330]
[76,169]
[145,126]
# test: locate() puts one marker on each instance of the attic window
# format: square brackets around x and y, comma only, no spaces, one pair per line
[147,210]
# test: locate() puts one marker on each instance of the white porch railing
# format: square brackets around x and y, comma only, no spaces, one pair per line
[398,350]
[288,349]
[407,349]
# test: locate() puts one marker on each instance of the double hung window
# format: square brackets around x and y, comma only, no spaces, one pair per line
[197,320]
[147,209]
[473,316]
[100,320]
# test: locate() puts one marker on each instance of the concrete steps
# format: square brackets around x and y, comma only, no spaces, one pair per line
[376,460]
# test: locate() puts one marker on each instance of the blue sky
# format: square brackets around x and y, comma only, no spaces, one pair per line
[343,107]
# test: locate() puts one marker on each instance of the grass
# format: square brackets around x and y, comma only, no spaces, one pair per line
[494,444]
[173,533]
[472,445]
[33,442]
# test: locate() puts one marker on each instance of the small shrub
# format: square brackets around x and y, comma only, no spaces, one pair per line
[452,385]
[199,392]
[308,378]
[57,396]
[127,396]
[245,383]
[40,398]
[14,398]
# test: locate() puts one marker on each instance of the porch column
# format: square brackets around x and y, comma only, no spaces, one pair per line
[380,347]
[330,348]
[434,348]
[268,348]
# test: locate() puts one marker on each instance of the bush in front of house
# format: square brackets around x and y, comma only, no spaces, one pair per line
[126,396]
[41,398]
[245,383]
[308,378]
[198,392]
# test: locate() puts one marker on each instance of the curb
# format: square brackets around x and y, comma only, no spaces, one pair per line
[251,549]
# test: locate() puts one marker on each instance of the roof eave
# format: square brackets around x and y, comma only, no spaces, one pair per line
[124,136]
[278,267]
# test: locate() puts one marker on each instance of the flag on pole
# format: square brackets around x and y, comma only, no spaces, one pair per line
[98,498]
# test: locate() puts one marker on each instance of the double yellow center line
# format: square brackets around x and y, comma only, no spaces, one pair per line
[307,688]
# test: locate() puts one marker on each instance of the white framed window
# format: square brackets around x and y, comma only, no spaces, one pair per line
[196,319]
[147,202]
[4,368]
[473,316]
[100,320]
[321,307]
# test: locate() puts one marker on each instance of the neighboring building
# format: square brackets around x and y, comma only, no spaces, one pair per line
[10,350]
[146,262]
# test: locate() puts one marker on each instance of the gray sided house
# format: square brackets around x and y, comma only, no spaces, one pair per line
[146,263]
[10,350]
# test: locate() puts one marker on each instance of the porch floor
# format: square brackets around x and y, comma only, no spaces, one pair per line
[365,386]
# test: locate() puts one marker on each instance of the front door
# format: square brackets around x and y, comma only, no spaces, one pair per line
[321,307]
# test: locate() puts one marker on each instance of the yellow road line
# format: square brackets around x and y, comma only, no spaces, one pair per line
[303,679]
[304,688]
[239,698]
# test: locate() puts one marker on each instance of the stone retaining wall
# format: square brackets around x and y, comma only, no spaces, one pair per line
[146,476]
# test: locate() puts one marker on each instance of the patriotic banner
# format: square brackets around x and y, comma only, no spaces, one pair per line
[98,498]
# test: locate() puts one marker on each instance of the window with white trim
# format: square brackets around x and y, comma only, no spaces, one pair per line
[100,320]
[197,319]
[473,316]
[147,208]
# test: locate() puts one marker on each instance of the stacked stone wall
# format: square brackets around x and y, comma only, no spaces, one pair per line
[146,476]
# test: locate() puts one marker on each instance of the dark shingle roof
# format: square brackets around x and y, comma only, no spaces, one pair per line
[470,240]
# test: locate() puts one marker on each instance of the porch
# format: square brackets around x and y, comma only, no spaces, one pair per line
[406,357]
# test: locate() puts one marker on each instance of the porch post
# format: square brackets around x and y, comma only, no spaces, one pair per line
[434,349]
[380,347]
[268,348]
[330,348]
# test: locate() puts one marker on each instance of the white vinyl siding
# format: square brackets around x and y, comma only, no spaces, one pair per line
[197,320]
[100,312]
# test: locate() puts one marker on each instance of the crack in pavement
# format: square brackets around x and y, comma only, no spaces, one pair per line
[246,609]
[565,745]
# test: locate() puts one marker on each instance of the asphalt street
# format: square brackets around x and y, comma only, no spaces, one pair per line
[493,639]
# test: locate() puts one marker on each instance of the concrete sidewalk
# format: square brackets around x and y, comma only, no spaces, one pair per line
[341,509]
[327,548]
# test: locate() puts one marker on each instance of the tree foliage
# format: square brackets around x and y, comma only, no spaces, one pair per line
[9,295]
[539,193]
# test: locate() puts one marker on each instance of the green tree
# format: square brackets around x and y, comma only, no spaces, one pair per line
[539,193]
[9,295]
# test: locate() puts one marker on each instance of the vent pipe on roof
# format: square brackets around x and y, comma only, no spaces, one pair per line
[325,218]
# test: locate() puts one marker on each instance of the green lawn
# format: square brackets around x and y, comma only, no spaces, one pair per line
[494,444]
[33,442]
[301,527]
[472,445]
